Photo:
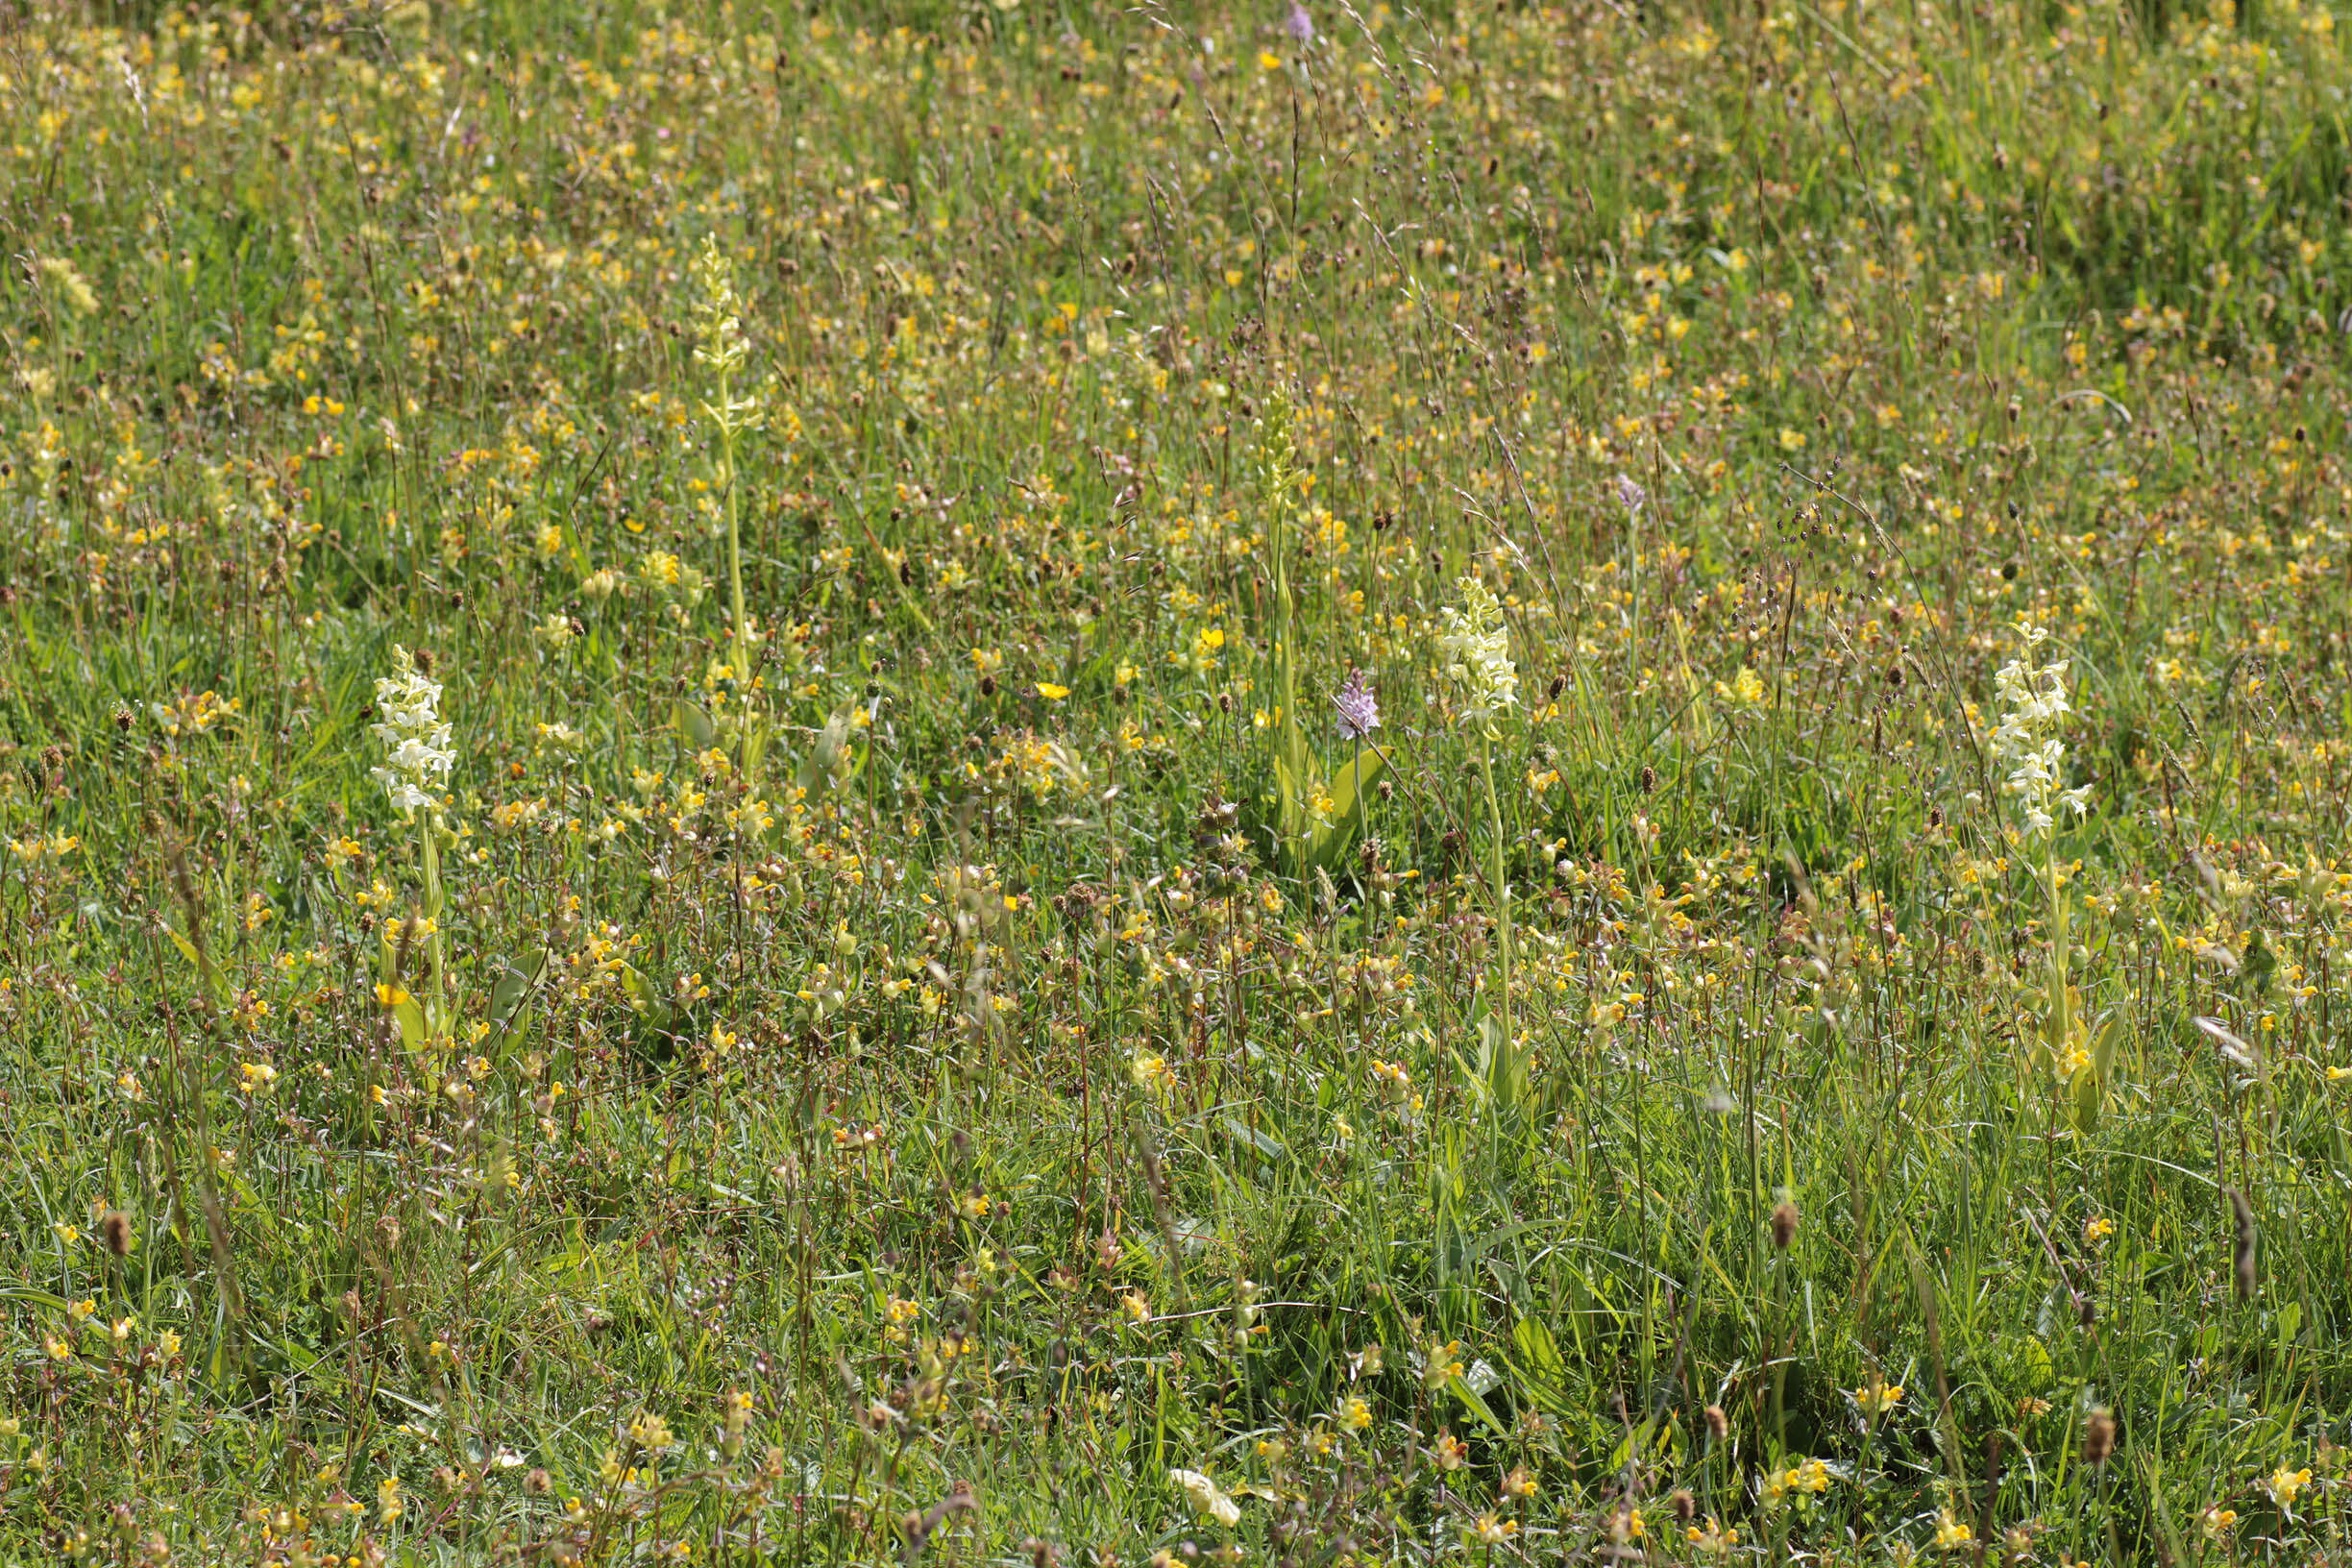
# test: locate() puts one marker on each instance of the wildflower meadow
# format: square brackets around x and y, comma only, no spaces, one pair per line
[1321,785]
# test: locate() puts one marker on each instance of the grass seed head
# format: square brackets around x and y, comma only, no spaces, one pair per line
[2098,1437]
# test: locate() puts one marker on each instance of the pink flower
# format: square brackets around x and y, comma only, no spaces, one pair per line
[1359,707]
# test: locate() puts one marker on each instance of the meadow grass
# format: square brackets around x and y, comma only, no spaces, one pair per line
[895,1025]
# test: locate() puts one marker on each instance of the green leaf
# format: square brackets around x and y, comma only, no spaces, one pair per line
[1473,1076]
[2103,1044]
[1254,1138]
[1537,1347]
[646,998]
[2289,1320]
[1286,788]
[1348,787]
[1499,1055]
[2089,1093]
[1477,1407]
[31,1297]
[694,724]
[833,762]
[512,986]
[411,1021]
[1329,843]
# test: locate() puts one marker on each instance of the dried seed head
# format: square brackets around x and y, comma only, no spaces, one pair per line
[2098,1437]
[1685,1506]
[1783,1224]
[1649,780]
[1719,1425]
[114,1230]
[2242,1248]
[538,1483]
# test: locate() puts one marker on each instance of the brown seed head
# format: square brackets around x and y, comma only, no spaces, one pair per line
[1783,1224]
[2098,1437]
[2242,1246]
[114,1230]
[1719,1425]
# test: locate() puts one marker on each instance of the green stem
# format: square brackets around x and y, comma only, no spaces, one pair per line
[2061,1012]
[1501,890]
[436,1016]
[741,655]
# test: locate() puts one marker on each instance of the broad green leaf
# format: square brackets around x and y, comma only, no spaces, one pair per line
[2104,1046]
[694,726]
[434,898]
[2088,1093]
[1537,1347]
[1256,1139]
[512,984]
[1348,787]
[1476,1405]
